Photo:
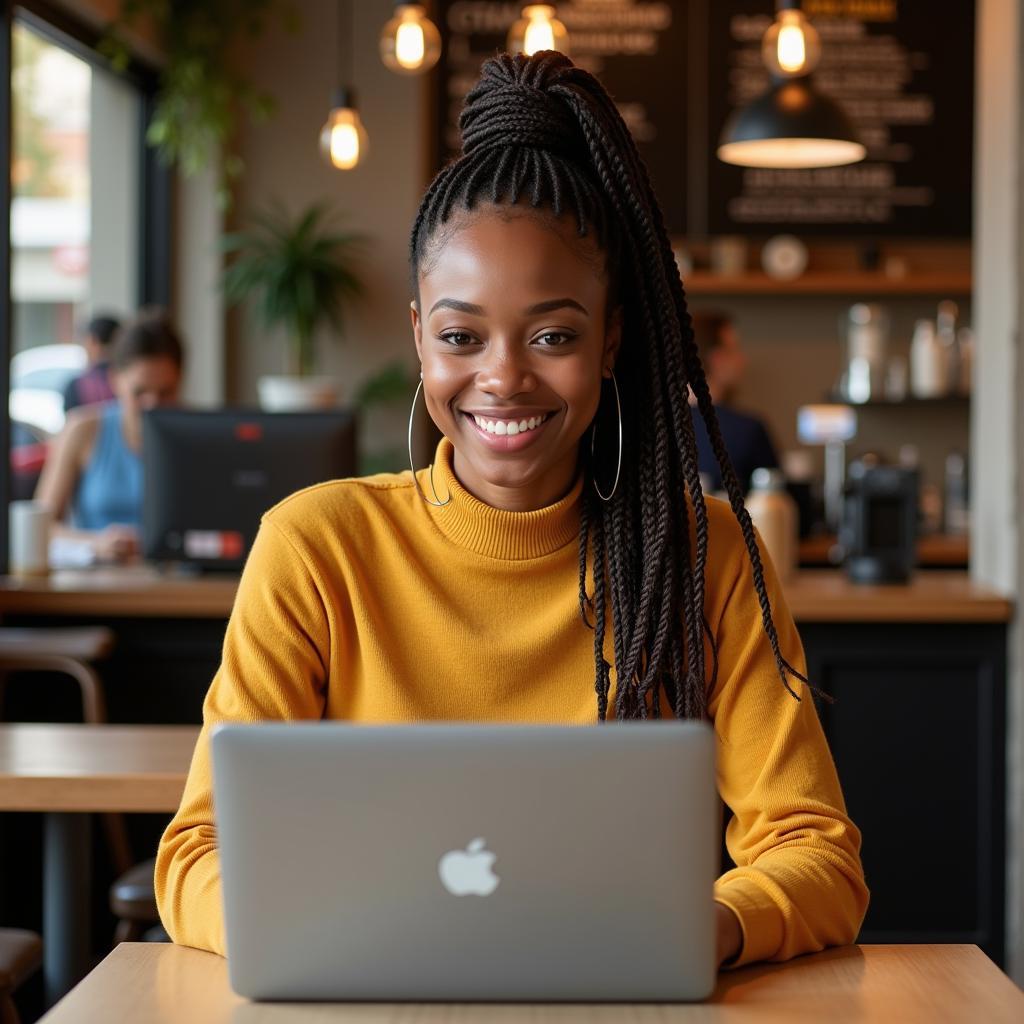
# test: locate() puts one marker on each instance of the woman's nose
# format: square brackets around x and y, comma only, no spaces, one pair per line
[506,371]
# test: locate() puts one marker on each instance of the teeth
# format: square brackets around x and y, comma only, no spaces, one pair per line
[508,427]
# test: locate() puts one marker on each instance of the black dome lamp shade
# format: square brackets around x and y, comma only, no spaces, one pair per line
[791,124]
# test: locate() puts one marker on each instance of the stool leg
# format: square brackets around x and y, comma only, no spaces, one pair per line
[66,893]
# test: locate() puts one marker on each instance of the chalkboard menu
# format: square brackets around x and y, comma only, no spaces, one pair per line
[676,70]
[905,76]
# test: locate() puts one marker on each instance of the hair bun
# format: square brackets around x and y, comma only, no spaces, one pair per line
[513,105]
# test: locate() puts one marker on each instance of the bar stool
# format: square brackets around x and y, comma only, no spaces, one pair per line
[71,651]
[21,953]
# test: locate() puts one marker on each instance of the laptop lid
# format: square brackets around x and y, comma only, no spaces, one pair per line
[468,862]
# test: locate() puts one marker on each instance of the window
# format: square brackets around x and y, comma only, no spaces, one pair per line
[80,184]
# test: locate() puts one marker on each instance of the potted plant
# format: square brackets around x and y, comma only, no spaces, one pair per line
[298,272]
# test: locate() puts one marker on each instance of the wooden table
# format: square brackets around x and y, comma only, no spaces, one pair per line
[164,984]
[66,771]
[813,595]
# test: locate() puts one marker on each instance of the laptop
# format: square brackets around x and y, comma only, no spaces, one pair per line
[468,862]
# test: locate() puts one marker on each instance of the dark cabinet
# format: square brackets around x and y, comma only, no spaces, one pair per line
[918,733]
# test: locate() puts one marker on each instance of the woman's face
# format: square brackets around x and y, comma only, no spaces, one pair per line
[145,384]
[514,336]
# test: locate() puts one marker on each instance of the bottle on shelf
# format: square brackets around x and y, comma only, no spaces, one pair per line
[774,512]
[946,335]
[956,511]
[928,372]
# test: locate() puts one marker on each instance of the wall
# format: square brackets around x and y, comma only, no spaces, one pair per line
[997,426]
[378,198]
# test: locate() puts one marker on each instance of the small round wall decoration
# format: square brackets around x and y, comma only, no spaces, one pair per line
[784,257]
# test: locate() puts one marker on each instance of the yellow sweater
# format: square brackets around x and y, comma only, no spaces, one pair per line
[361,602]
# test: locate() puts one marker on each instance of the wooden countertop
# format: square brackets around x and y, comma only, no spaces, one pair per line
[138,591]
[131,768]
[926,984]
[827,595]
[814,595]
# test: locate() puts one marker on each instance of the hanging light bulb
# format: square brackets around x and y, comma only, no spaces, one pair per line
[791,46]
[343,139]
[538,29]
[410,42]
[791,124]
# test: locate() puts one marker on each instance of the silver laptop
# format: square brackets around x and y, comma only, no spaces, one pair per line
[468,862]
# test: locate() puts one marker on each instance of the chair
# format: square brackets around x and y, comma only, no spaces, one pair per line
[71,651]
[21,953]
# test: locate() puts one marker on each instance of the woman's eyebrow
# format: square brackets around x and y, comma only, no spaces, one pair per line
[541,307]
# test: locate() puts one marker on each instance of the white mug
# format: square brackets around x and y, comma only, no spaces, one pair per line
[29,524]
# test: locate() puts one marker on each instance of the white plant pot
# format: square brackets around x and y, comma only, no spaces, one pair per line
[294,394]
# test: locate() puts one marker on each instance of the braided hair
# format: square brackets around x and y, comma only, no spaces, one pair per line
[542,130]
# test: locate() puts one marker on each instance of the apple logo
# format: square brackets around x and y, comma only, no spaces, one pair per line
[468,872]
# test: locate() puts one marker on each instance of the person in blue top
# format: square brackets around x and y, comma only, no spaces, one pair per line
[746,437]
[94,470]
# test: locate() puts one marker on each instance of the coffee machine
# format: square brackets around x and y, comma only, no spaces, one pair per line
[879,525]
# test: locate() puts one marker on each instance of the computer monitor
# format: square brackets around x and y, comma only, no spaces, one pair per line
[210,475]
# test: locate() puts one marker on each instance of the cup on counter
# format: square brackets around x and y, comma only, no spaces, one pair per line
[29,527]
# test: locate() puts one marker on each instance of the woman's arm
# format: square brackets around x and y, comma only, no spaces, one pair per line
[799,884]
[68,454]
[274,666]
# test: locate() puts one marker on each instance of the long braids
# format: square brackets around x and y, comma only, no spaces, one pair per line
[540,129]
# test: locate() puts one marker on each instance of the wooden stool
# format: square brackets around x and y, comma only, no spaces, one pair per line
[21,953]
[70,651]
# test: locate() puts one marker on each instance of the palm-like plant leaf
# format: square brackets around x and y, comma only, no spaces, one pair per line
[299,272]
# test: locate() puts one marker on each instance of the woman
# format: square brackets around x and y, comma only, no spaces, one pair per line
[95,467]
[545,291]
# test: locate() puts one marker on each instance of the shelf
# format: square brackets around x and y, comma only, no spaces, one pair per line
[854,283]
[943,401]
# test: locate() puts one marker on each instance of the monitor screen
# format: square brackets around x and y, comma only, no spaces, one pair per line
[210,475]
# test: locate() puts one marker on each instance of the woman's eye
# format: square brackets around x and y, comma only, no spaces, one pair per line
[456,338]
[556,338]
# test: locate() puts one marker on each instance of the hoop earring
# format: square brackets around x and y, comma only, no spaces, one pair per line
[593,435]
[412,412]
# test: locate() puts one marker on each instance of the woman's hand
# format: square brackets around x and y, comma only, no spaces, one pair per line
[116,543]
[729,933]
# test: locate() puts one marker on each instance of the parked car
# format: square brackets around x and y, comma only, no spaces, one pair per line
[38,379]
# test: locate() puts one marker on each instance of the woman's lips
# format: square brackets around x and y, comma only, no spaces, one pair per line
[508,442]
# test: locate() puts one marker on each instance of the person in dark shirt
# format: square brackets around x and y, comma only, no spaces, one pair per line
[746,437]
[94,384]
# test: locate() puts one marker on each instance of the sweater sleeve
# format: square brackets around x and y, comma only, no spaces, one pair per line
[798,885]
[273,666]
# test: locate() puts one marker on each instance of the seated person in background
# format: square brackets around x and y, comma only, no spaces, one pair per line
[94,384]
[95,468]
[746,437]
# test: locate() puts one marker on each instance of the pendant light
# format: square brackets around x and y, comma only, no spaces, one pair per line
[538,29]
[791,124]
[343,139]
[410,42]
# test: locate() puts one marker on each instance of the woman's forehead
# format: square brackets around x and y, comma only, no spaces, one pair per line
[515,244]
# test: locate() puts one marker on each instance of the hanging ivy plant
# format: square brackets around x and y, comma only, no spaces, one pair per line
[202,95]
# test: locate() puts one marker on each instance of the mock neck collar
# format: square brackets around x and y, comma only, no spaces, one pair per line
[496,532]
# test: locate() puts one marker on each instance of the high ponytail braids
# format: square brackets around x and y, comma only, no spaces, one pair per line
[541,131]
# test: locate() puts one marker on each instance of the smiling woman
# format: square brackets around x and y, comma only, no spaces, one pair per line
[557,562]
